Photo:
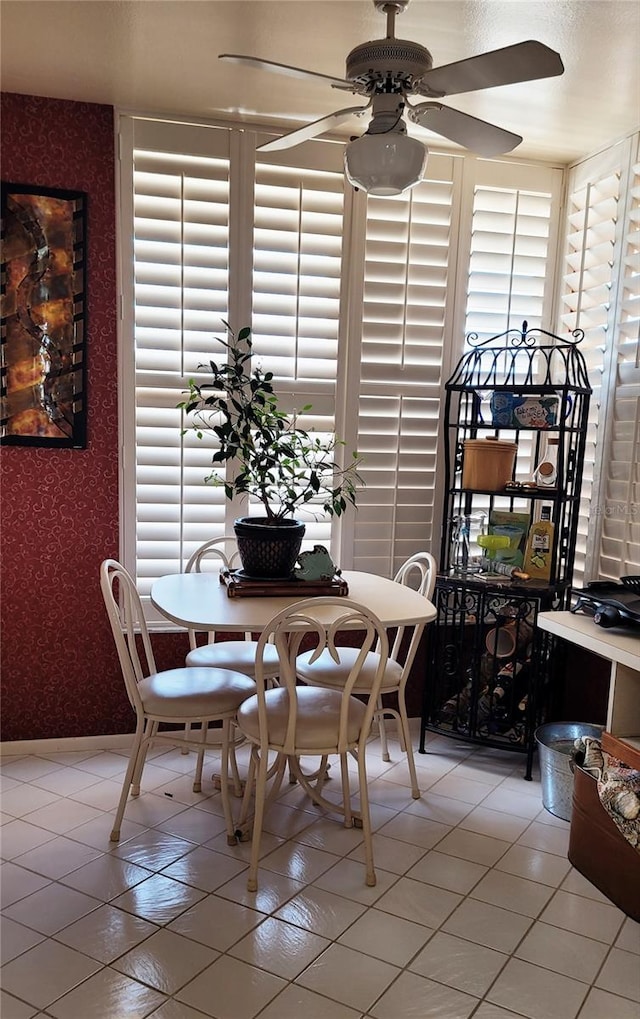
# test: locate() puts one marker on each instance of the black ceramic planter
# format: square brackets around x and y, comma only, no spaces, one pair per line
[268,551]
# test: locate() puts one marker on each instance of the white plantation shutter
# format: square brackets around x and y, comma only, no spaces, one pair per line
[619,552]
[600,296]
[297,272]
[407,272]
[511,248]
[180,250]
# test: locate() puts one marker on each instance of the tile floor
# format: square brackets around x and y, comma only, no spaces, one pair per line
[477,911]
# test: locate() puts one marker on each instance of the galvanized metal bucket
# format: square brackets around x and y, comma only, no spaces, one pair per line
[555,749]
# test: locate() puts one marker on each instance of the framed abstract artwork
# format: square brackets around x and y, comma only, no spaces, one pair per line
[44,302]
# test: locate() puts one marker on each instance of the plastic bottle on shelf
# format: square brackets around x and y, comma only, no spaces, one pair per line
[537,557]
[546,473]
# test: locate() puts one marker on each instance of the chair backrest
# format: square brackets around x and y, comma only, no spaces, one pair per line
[215,555]
[126,616]
[418,572]
[317,621]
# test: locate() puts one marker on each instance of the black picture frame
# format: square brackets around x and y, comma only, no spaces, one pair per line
[43,317]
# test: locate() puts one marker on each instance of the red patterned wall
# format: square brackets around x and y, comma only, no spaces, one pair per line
[60,675]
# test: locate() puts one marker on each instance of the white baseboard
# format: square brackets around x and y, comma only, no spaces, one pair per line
[12,748]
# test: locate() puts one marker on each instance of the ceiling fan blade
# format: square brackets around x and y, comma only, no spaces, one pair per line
[292,72]
[479,136]
[304,134]
[524,61]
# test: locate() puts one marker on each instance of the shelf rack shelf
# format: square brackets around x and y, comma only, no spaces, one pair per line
[489,665]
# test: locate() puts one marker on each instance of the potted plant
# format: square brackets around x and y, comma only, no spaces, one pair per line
[283,466]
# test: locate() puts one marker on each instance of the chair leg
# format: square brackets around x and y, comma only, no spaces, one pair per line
[382,730]
[408,746]
[187,735]
[128,778]
[151,729]
[224,780]
[258,818]
[233,760]
[197,778]
[366,818]
[346,792]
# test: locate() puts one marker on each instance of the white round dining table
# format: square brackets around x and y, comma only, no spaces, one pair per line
[199,601]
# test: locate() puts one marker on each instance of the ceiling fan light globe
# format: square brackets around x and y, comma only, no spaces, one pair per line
[385,164]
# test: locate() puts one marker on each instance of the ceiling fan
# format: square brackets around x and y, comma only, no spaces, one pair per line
[385,160]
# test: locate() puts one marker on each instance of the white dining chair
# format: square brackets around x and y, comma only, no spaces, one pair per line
[183,696]
[222,554]
[419,571]
[294,721]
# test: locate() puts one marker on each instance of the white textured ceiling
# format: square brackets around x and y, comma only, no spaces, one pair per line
[160,56]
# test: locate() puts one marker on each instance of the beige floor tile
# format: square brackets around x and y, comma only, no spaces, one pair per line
[413,996]
[547,837]
[106,877]
[621,975]
[386,937]
[238,990]
[279,948]
[158,899]
[322,912]
[348,976]
[390,854]
[447,872]
[599,1004]
[419,902]
[562,951]
[329,835]
[535,865]
[495,823]
[216,922]
[295,1002]
[166,961]
[103,794]
[51,908]
[58,969]
[107,994]
[12,1008]
[512,892]
[578,884]
[154,849]
[106,933]
[273,891]
[63,816]
[15,939]
[58,857]
[537,993]
[597,920]
[299,862]
[20,836]
[97,833]
[440,808]
[470,846]
[487,925]
[629,937]
[16,882]
[26,798]
[488,1010]
[461,964]
[517,802]
[348,877]
[205,869]
[461,789]
[418,831]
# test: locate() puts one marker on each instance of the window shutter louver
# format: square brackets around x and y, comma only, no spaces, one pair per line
[593,241]
[406,275]
[181,240]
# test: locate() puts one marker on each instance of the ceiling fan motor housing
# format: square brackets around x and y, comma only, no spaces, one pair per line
[388,65]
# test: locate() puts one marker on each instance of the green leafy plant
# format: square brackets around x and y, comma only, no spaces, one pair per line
[275,461]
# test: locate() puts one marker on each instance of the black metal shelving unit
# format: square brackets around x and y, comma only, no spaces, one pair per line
[488,665]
